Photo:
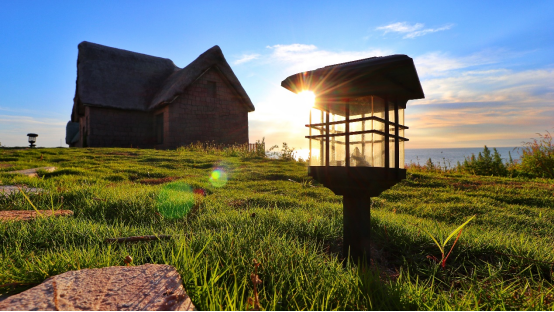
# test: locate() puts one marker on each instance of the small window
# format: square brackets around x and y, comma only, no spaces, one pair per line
[212,89]
[159,126]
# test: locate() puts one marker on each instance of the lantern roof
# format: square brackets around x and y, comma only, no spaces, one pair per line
[392,76]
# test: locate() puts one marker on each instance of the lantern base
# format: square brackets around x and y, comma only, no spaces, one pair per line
[369,181]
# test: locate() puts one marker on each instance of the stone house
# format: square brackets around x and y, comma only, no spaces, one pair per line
[124,99]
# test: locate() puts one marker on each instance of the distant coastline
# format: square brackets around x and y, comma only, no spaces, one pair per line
[449,157]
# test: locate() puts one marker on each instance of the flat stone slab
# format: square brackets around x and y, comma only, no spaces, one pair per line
[10,189]
[26,215]
[148,287]
[33,171]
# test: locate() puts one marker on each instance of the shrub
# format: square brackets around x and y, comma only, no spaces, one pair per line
[259,151]
[227,150]
[429,166]
[537,157]
[287,153]
[485,164]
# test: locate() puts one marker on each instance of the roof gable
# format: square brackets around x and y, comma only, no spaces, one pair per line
[179,80]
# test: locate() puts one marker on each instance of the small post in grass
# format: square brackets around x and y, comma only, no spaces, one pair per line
[356,133]
[32,139]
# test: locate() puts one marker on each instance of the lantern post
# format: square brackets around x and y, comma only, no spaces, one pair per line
[356,134]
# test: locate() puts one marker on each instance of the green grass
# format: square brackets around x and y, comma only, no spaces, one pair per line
[503,259]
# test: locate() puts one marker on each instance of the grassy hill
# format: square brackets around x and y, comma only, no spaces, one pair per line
[225,211]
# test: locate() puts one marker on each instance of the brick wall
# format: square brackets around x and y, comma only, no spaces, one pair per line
[108,127]
[197,116]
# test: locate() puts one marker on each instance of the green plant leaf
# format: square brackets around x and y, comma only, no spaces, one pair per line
[432,237]
[456,231]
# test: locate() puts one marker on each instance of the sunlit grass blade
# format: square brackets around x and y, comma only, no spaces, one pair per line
[30,202]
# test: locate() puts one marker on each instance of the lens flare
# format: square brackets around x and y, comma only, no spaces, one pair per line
[307,98]
[218,177]
[175,200]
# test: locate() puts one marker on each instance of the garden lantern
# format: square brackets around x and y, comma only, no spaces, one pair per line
[32,139]
[356,133]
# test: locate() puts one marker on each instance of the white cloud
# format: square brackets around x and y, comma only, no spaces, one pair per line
[246,58]
[472,108]
[18,110]
[440,64]
[26,120]
[295,47]
[497,85]
[401,27]
[302,57]
[426,31]
[411,31]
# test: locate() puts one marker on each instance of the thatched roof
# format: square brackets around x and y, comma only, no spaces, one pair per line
[115,78]
[392,76]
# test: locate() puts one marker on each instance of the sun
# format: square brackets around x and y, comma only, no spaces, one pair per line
[307,98]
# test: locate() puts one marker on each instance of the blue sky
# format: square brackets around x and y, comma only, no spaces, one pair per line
[486,67]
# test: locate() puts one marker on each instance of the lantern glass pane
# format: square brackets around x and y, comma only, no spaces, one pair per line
[391,111]
[401,116]
[401,154]
[361,106]
[379,107]
[357,126]
[337,155]
[337,128]
[358,155]
[367,150]
[367,125]
[368,147]
[317,145]
[317,152]
[337,150]
[376,125]
[391,152]
[378,147]
[401,143]
[392,128]
[379,112]
[392,133]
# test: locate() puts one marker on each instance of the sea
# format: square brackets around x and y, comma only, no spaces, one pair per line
[449,157]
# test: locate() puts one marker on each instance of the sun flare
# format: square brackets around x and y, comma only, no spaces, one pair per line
[307,98]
